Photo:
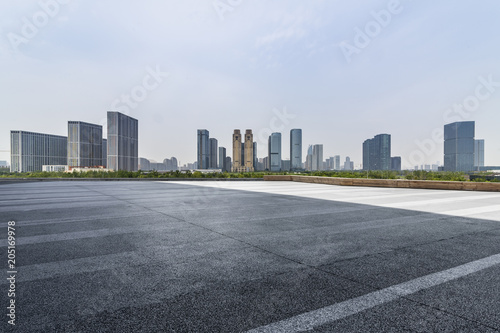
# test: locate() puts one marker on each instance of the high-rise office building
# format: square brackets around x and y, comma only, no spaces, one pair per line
[203,153]
[213,153]
[29,151]
[249,155]
[317,158]
[222,159]
[459,146]
[478,154]
[171,164]
[396,163]
[238,160]
[336,162]
[255,158]
[295,149]
[285,165]
[274,149]
[377,153]
[348,164]
[229,164]
[144,164]
[104,153]
[84,144]
[329,163]
[123,142]
[309,158]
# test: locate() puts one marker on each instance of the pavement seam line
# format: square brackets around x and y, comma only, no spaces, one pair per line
[310,320]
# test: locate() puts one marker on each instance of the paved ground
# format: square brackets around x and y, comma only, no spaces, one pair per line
[251,256]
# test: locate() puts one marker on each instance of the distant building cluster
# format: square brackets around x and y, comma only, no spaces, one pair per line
[209,155]
[244,154]
[83,148]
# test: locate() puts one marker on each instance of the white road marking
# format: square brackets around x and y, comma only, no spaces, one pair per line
[328,314]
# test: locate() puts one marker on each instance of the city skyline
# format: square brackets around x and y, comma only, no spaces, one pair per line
[268,66]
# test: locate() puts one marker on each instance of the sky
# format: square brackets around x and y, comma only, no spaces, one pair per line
[342,71]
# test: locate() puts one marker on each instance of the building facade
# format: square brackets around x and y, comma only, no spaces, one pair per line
[203,153]
[336,162]
[248,153]
[478,154]
[377,153]
[237,152]
[213,161]
[255,158]
[123,142]
[274,149]
[459,146]
[317,158]
[144,164]
[296,149]
[396,163]
[348,164]
[104,153]
[29,151]
[222,159]
[84,144]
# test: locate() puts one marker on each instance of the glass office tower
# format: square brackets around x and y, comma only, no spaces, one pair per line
[29,151]
[84,144]
[122,142]
[459,146]
[478,154]
[213,144]
[377,153]
[274,147]
[104,153]
[317,158]
[222,159]
[203,155]
[295,149]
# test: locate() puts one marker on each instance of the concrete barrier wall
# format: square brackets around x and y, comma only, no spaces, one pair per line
[394,183]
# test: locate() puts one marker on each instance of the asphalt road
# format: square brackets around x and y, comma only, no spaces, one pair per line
[249,256]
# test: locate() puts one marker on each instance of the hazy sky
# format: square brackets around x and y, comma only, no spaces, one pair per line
[343,71]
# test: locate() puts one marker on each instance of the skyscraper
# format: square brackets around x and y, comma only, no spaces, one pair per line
[123,140]
[213,153]
[377,153]
[237,152]
[84,144]
[29,151]
[309,158]
[348,164]
[459,146]
[274,148]
[295,149]
[144,164]
[396,163]
[203,154]
[229,164]
[222,158]
[317,158]
[478,154]
[249,155]
[104,153]
[336,162]
[255,158]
